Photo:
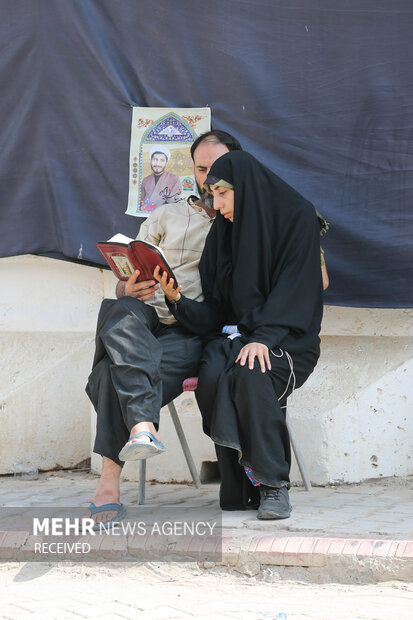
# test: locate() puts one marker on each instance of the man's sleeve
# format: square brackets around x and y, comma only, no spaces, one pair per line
[151,229]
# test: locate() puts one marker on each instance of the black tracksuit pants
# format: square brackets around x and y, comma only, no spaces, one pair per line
[139,366]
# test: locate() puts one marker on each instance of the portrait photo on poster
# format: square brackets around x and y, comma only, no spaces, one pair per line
[160,164]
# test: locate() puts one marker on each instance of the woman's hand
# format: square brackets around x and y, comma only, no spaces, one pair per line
[171,293]
[254,350]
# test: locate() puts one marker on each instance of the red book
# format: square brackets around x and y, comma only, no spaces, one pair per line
[124,256]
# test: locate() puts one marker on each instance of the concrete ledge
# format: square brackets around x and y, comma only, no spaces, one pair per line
[346,560]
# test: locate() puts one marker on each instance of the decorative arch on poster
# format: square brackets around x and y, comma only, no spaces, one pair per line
[160,165]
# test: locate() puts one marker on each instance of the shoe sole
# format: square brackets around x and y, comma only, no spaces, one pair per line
[139,451]
[265,515]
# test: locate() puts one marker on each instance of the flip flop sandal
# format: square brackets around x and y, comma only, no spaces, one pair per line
[120,508]
[137,450]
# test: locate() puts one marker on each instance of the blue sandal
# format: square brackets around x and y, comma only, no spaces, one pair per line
[138,450]
[120,508]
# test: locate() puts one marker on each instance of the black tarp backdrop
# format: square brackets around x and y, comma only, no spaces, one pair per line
[319,90]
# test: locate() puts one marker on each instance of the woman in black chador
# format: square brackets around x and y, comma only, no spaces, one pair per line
[261,278]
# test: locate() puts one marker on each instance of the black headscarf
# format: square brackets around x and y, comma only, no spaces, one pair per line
[264,268]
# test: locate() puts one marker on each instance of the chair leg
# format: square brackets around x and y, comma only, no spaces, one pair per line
[142,479]
[184,444]
[298,455]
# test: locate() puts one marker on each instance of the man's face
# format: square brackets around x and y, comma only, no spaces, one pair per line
[158,163]
[204,156]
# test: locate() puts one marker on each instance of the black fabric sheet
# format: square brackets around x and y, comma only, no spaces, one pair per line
[321,91]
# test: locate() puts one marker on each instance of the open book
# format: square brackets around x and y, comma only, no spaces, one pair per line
[124,255]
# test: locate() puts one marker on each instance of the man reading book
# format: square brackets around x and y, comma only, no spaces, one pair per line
[142,354]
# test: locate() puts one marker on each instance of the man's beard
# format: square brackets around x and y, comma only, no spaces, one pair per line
[206,198]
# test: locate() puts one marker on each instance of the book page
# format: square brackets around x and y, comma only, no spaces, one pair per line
[119,238]
[155,247]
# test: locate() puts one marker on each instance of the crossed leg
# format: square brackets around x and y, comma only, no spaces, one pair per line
[127,391]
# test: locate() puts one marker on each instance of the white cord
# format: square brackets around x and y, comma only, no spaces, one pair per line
[291,365]
[232,331]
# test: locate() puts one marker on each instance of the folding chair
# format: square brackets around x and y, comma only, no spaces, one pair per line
[187,387]
[190,385]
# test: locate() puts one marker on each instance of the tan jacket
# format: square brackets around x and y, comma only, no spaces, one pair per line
[180,230]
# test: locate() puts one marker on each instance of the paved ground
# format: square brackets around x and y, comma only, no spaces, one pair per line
[323,562]
[376,508]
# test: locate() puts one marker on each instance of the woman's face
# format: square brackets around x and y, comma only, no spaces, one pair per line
[223,201]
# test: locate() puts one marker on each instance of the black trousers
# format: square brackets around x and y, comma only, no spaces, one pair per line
[139,366]
[243,415]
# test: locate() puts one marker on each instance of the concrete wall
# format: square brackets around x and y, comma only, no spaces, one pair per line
[353,417]
[47,320]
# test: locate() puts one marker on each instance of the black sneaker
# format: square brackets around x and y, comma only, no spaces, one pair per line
[274,503]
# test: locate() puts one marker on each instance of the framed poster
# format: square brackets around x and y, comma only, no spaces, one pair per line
[160,164]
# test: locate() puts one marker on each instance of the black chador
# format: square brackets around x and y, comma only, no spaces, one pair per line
[260,272]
